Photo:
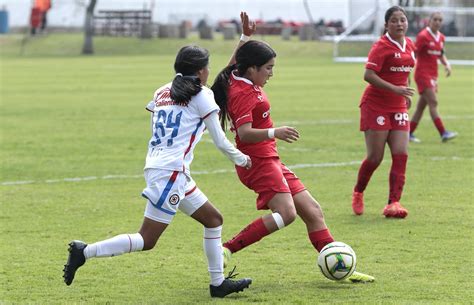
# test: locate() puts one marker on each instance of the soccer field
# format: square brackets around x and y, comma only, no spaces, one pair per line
[74,135]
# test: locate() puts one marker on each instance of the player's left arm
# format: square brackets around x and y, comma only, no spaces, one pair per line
[445,62]
[248,28]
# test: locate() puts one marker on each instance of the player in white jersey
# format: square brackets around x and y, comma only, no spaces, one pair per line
[181,110]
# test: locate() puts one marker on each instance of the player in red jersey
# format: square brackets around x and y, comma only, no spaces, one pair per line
[383,107]
[430,48]
[238,90]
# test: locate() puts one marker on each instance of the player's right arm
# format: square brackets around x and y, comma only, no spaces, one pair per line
[248,28]
[248,134]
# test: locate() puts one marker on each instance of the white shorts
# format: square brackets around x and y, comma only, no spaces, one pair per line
[168,191]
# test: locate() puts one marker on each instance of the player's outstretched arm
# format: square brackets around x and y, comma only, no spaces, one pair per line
[221,142]
[248,28]
[249,134]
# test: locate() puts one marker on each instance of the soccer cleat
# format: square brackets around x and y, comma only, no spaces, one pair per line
[358,203]
[358,277]
[229,286]
[448,135]
[395,210]
[75,260]
[414,139]
[227,256]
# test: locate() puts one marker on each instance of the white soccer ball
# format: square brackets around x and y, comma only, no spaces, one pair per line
[337,261]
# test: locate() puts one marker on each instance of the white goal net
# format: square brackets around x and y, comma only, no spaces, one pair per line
[354,43]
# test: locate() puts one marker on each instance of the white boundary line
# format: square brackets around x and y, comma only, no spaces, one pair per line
[217,171]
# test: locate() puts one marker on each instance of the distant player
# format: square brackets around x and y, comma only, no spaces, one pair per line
[430,48]
[181,110]
[384,110]
[239,92]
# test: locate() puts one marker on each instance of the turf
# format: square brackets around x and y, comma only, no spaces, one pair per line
[68,116]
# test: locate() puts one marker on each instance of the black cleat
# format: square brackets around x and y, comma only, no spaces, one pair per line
[75,260]
[229,286]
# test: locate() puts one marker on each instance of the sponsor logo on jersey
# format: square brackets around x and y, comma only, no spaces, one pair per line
[174,199]
[260,98]
[432,43]
[397,55]
[401,69]
[381,120]
[244,116]
[434,52]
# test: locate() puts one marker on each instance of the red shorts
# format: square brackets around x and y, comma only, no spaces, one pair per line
[267,177]
[375,120]
[425,81]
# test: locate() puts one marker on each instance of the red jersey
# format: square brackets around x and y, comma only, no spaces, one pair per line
[429,47]
[393,63]
[248,103]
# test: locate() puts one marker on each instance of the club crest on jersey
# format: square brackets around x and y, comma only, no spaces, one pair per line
[174,199]
[397,55]
[381,120]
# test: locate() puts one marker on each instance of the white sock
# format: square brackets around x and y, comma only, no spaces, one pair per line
[213,249]
[120,244]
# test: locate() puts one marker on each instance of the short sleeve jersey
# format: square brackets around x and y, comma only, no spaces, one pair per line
[176,129]
[429,47]
[248,103]
[393,63]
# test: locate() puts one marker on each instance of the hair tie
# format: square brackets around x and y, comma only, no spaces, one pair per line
[179,74]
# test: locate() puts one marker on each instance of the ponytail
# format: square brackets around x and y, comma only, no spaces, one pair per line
[220,88]
[183,88]
[186,83]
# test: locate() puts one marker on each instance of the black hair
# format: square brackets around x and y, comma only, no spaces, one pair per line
[251,54]
[392,10]
[186,84]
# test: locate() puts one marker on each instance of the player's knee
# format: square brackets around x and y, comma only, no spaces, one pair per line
[375,158]
[149,242]
[289,215]
[214,220]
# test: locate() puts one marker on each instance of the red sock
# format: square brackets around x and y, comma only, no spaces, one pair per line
[413,126]
[397,177]
[251,234]
[439,125]
[365,172]
[320,238]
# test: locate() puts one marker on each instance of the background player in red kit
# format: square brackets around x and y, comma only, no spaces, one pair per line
[383,107]
[238,92]
[430,48]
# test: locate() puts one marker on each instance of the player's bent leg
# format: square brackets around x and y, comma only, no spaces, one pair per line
[281,204]
[310,211]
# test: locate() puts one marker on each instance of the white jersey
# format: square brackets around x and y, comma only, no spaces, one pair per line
[176,129]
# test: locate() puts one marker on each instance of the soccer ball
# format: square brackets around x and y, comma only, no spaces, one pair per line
[337,261]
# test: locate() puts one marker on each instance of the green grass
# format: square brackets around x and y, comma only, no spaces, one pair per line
[66,116]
